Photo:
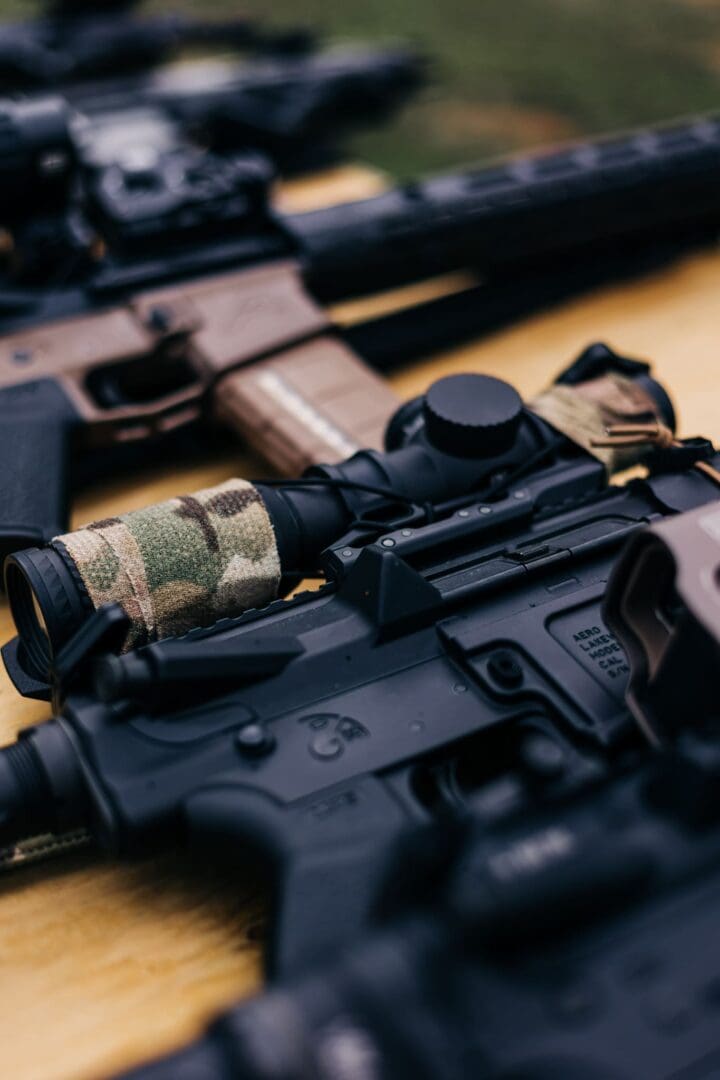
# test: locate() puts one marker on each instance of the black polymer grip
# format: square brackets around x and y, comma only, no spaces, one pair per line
[650,185]
[36,425]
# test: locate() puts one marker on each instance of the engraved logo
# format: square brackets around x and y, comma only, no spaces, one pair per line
[333,804]
[331,733]
[602,649]
[588,640]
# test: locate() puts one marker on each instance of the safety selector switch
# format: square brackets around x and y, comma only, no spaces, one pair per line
[472,415]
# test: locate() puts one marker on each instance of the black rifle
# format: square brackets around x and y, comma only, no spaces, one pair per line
[460,631]
[580,943]
[78,40]
[183,240]
[294,109]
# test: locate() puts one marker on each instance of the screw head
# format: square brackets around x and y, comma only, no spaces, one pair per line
[326,747]
[504,669]
[388,542]
[160,318]
[254,740]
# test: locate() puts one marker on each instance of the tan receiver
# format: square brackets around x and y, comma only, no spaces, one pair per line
[250,349]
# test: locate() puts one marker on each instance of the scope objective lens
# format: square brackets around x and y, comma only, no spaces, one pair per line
[48,604]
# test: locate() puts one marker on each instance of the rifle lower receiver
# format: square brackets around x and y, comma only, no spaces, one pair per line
[582,944]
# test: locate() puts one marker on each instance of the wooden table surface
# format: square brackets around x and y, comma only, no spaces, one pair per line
[103,965]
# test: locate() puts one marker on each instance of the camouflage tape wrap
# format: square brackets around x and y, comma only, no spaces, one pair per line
[182,563]
[585,411]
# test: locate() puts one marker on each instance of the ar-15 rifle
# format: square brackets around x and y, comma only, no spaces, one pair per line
[156,332]
[460,631]
[127,135]
[79,40]
[80,169]
[580,943]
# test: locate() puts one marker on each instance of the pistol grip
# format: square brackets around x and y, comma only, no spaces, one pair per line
[36,425]
[332,855]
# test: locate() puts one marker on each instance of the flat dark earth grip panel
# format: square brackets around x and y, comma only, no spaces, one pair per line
[36,426]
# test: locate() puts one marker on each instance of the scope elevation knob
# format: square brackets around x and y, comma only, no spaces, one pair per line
[472,415]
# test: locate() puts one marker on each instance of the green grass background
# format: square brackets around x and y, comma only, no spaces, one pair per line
[514,73]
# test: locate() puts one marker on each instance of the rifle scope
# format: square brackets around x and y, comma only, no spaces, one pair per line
[203,557]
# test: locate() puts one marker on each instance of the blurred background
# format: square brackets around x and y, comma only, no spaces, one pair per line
[510,74]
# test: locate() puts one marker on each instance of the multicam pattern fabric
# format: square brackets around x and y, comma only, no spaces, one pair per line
[585,411]
[182,563]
